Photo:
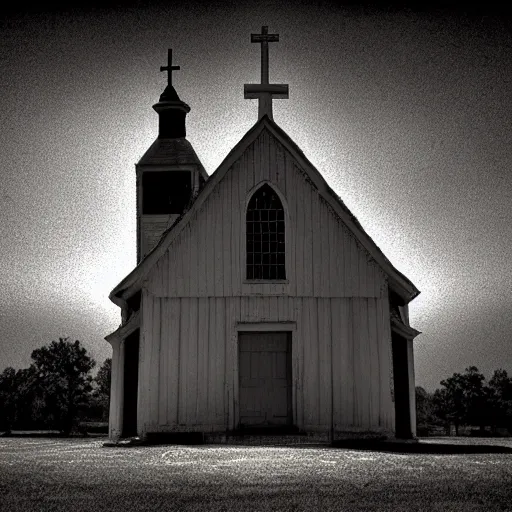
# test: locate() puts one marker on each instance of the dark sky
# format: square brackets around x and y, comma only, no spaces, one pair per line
[405,113]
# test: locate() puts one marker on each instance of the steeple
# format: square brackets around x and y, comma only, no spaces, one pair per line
[169,174]
[170,109]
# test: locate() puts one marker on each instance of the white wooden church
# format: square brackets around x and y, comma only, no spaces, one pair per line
[259,304]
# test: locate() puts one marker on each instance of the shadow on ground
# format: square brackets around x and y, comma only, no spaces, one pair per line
[50,434]
[419,447]
[392,446]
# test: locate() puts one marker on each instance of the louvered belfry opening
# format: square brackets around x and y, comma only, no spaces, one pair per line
[265,236]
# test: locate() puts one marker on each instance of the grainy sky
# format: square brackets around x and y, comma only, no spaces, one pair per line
[405,113]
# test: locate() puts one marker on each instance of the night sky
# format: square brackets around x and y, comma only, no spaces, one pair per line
[407,115]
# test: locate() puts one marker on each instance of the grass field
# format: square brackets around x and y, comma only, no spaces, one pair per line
[82,475]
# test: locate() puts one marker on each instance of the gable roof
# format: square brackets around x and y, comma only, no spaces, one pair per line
[398,283]
[172,152]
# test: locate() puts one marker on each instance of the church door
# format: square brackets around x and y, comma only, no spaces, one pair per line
[265,393]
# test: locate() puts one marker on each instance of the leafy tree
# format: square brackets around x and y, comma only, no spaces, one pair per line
[103,377]
[21,401]
[8,390]
[464,399]
[500,399]
[62,374]
[101,393]
[29,400]
[424,410]
[442,407]
[476,398]
[449,401]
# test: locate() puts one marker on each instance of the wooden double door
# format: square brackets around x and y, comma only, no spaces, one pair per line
[265,379]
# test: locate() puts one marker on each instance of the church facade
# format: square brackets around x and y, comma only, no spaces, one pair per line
[259,303]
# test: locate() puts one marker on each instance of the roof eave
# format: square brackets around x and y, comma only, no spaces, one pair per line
[124,330]
[402,287]
[145,159]
[116,297]
[403,330]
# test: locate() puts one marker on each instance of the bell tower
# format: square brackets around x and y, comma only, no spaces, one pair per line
[169,174]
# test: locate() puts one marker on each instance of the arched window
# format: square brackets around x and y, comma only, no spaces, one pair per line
[265,236]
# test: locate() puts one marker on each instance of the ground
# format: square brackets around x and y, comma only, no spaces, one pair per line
[80,474]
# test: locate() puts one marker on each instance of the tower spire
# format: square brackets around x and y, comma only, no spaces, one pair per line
[265,92]
[170,109]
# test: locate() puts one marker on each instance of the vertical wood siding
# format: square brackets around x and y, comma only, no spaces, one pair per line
[151,229]
[207,258]
[189,380]
[196,295]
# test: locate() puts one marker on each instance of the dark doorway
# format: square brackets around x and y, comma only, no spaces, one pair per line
[265,379]
[401,388]
[131,381]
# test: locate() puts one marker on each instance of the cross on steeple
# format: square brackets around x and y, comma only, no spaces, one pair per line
[169,68]
[265,91]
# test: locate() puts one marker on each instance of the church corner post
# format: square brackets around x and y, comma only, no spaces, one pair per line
[115,422]
[412,386]
[410,370]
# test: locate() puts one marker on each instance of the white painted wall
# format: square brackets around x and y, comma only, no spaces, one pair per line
[323,258]
[195,296]
[188,377]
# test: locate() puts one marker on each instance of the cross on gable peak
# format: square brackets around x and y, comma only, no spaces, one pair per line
[265,91]
[264,36]
[169,68]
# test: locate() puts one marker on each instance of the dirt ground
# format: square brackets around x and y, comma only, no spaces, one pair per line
[82,475]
